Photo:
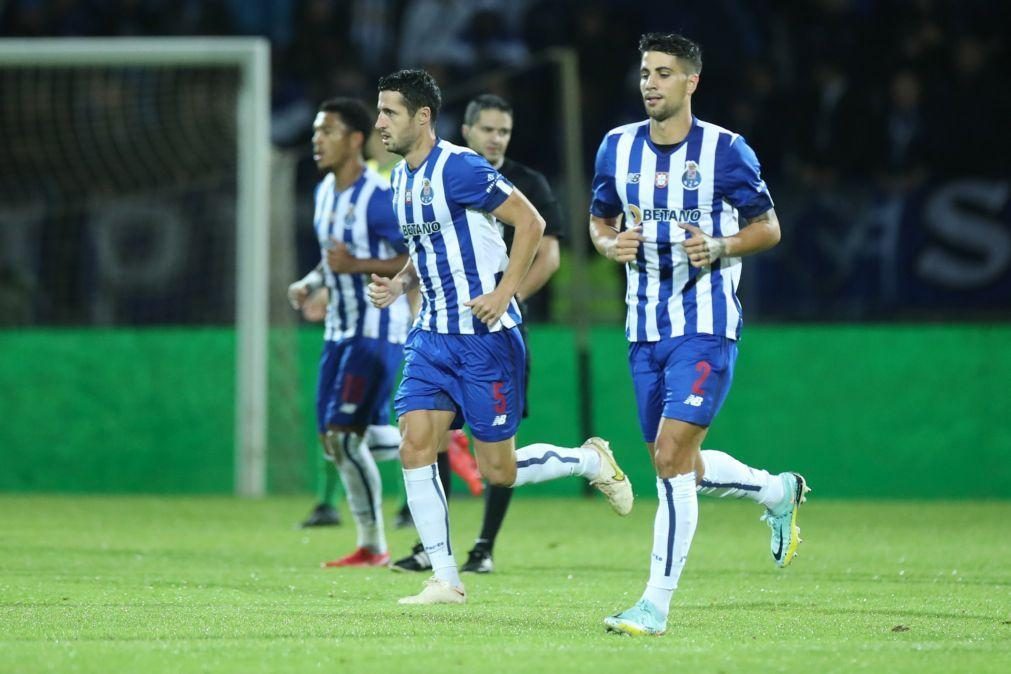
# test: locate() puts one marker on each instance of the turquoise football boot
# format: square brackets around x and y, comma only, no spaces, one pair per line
[642,620]
[783,519]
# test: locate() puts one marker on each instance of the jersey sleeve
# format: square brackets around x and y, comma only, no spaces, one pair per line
[605,202]
[383,221]
[544,201]
[473,183]
[739,179]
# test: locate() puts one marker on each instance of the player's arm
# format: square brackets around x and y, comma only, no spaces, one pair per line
[341,261]
[383,290]
[315,306]
[606,208]
[740,182]
[545,264]
[300,290]
[547,258]
[518,212]
[761,233]
[620,246]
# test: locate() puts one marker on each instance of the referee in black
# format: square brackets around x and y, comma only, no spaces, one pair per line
[487,129]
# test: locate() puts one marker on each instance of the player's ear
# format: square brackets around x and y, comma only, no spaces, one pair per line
[693,82]
[424,115]
[360,143]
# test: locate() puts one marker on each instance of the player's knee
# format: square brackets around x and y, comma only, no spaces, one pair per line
[412,448]
[672,458]
[497,473]
[504,477]
[333,444]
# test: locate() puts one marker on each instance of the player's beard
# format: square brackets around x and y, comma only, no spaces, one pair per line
[663,113]
[401,147]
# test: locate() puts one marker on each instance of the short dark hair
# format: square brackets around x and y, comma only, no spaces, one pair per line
[354,113]
[485,102]
[417,87]
[675,45]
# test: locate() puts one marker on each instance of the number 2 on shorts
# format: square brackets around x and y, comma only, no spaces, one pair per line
[704,369]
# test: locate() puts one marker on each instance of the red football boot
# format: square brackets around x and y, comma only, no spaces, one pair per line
[360,557]
[462,462]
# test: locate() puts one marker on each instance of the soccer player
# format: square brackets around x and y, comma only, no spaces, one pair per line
[487,128]
[464,357]
[363,345]
[684,187]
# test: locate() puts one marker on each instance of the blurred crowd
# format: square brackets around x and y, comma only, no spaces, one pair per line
[825,90]
[881,124]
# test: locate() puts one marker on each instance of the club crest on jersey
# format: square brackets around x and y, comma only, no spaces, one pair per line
[633,178]
[661,180]
[691,178]
[427,194]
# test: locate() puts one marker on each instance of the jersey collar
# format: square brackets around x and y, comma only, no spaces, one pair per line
[675,148]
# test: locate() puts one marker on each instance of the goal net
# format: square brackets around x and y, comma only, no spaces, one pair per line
[133,217]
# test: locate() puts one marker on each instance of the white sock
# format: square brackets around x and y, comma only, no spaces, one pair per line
[363,487]
[431,517]
[725,477]
[383,442]
[541,462]
[676,518]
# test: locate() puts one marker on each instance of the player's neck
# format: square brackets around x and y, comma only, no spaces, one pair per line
[419,152]
[672,130]
[348,174]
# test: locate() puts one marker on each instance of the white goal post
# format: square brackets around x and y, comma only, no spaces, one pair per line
[251,56]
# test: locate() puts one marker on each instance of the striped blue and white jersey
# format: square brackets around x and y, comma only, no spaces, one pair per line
[444,209]
[709,180]
[361,217]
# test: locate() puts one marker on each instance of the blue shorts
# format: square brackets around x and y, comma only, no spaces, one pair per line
[356,378]
[685,378]
[479,377]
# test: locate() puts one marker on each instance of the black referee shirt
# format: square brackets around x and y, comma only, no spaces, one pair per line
[535,187]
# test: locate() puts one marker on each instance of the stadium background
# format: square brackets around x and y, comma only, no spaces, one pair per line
[875,340]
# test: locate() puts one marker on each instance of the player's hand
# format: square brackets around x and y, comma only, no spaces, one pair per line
[702,249]
[339,259]
[489,307]
[383,291]
[297,294]
[314,307]
[626,245]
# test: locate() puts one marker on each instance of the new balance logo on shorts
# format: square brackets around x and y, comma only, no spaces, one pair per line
[694,400]
[500,420]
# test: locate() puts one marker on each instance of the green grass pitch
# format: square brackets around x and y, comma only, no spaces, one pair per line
[128,584]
